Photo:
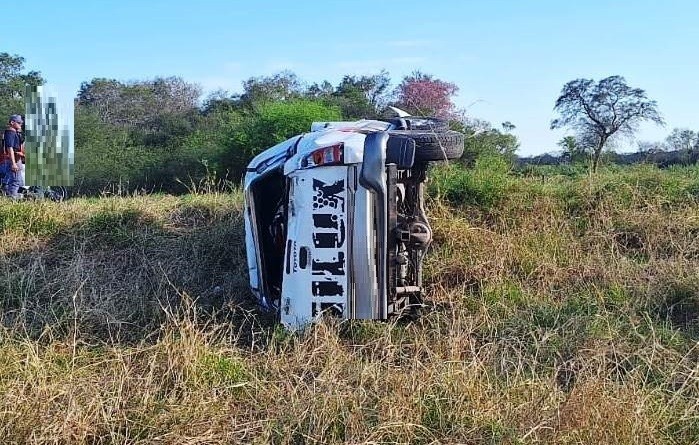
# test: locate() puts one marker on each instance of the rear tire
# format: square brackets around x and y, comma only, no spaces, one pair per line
[431,146]
[56,194]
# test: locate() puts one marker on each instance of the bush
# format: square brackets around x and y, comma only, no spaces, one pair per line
[272,123]
[489,143]
[483,186]
[109,156]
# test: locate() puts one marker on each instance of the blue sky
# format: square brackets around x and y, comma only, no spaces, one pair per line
[510,58]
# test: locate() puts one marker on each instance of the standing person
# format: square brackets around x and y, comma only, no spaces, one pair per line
[12,164]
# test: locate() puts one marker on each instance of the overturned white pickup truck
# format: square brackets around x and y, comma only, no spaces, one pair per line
[335,221]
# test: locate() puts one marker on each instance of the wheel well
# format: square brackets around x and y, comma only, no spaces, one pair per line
[269,194]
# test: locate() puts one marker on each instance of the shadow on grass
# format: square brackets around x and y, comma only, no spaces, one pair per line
[121,275]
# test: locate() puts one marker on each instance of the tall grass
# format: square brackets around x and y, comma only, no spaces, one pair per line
[561,309]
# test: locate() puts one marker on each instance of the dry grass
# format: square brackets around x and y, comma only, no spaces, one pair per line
[553,317]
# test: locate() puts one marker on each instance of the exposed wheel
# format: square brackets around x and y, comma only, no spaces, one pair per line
[56,193]
[435,146]
[420,123]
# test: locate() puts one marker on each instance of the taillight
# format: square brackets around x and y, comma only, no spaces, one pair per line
[331,155]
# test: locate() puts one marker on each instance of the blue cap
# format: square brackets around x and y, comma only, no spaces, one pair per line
[16,118]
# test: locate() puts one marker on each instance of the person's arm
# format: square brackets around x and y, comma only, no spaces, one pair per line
[14,166]
[11,139]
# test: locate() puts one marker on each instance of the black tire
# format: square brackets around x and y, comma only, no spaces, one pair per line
[413,123]
[56,194]
[434,146]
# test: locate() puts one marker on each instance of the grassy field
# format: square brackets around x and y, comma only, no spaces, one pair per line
[561,309]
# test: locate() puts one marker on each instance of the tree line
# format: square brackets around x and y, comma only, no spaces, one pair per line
[161,135]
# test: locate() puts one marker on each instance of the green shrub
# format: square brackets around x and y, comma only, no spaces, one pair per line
[484,186]
[272,123]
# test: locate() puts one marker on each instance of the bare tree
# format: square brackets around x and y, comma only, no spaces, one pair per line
[597,111]
[103,96]
[138,103]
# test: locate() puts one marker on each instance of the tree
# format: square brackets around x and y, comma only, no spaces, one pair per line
[363,96]
[422,95]
[598,111]
[682,139]
[683,143]
[272,123]
[278,87]
[148,105]
[508,126]
[321,90]
[13,81]
[219,101]
[573,151]
[648,147]
[482,140]
[102,96]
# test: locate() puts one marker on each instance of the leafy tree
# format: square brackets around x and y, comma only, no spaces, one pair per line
[103,97]
[508,127]
[134,134]
[13,81]
[102,153]
[682,139]
[140,104]
[363,96]
[220,101]
[278,87]
[321,90]
[573,151]
[422,95]
[214,132]
[108,155]
[274,122]
[683,146]
[351,100]
[482,140]
[597,111]
[647,147]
